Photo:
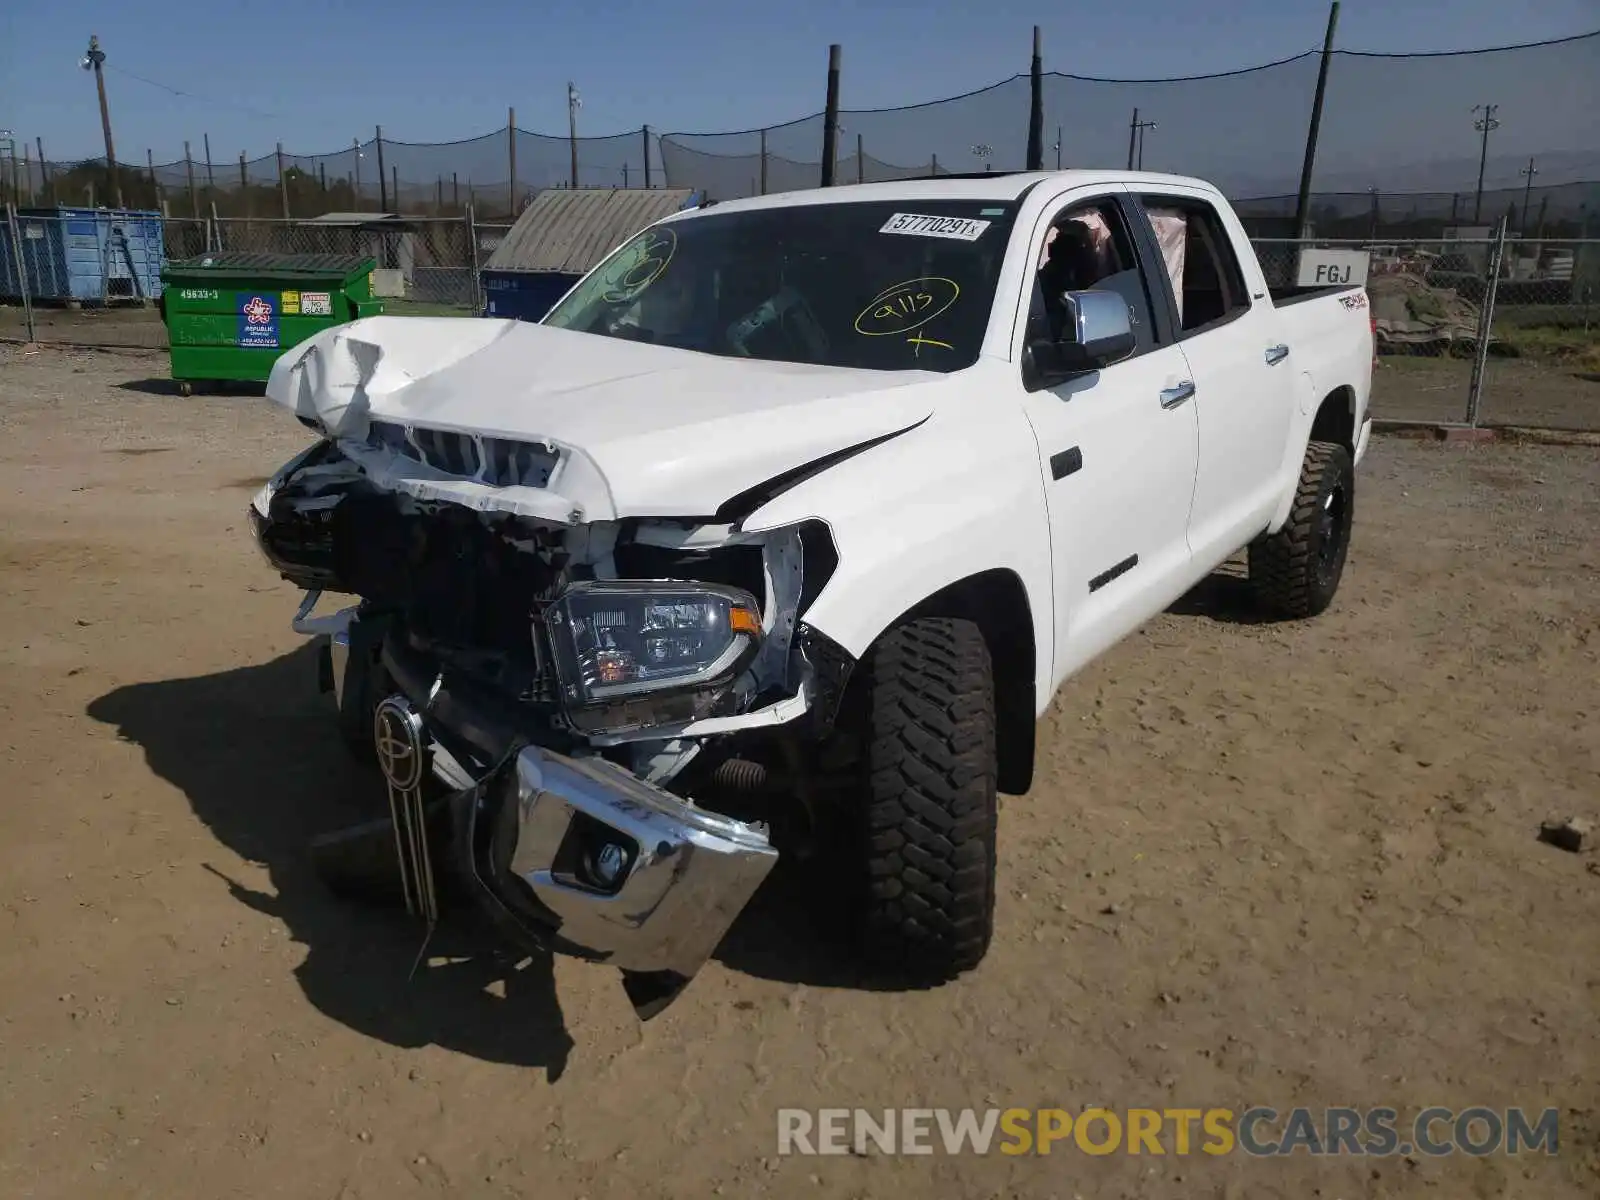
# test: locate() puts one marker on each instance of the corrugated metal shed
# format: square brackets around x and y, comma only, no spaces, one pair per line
[570,231]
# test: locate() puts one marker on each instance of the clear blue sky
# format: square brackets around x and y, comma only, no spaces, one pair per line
[315,73]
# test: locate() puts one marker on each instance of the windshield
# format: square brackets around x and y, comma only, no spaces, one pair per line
[890,286]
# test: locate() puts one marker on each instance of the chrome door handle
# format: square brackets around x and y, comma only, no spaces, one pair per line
[1173,396]
[1276,354]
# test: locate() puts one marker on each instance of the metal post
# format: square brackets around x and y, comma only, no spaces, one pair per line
[1486,125]
[356,150]
[511,141]
[861,161]
[1036,106]
[95,59]
[830,117]
[211,178]
[394,181]
[283,183]
[572,128]
[1133,133]
[455,191]
[383,180]
[1480,358]
[22,269]
[194,196]
[27,171]
[1302,208]
[1058,147]
[763,162]
[646,134]
[155,186]
[472,244]
[1527,191]
[45,177]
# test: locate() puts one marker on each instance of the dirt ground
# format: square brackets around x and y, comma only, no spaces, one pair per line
[1260,864]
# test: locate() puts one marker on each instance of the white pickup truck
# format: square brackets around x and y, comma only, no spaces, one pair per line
[781,530]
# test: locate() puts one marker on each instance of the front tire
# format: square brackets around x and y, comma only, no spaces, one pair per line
[931,808]
[1296,571]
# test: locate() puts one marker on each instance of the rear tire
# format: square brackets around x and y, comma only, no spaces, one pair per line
[1296,571]
[931,808]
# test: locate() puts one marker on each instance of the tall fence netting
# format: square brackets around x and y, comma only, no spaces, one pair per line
[1397,140]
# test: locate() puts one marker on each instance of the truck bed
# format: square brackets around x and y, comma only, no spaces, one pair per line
[1282,297]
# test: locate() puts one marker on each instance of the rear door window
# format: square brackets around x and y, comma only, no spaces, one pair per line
[1208,283]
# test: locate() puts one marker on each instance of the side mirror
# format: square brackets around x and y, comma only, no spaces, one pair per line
[1095,332]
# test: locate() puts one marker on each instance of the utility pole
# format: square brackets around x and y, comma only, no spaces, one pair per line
[1036,105]
[830,117]
[1133,136]
[94,60]
[573,103]
[1527,191]
[13,190]
[1485,125]
[1137,163]
[1302,207]
[1058,147]
[355,145]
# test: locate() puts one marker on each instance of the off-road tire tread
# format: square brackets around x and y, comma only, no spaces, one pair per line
[931,809]
[1283,569]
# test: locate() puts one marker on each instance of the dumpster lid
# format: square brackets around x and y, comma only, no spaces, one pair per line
[278,268]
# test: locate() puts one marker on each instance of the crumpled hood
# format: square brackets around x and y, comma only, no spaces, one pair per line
[641,430]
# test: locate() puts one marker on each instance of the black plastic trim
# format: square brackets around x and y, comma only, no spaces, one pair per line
[1116,572]
[1066,462]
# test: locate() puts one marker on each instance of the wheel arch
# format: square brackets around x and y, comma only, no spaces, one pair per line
[996,601]
[1334,420]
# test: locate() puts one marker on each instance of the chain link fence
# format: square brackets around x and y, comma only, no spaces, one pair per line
[94,278]
[1543,362]
[1500,330]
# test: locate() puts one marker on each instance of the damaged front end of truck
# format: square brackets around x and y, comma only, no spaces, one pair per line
[597,727]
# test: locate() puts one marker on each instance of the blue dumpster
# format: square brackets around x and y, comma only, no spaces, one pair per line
[560,236]
[89,255]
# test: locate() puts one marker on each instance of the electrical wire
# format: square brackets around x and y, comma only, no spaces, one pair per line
[191,95]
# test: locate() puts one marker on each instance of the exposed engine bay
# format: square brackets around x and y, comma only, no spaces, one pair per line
[614,709]
[596,633]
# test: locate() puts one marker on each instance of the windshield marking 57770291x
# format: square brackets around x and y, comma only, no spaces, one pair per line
[814,283]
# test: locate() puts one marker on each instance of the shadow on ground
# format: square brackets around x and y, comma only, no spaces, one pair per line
[256,752]
[171,387]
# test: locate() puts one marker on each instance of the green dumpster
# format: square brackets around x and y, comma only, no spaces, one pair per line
[230,316]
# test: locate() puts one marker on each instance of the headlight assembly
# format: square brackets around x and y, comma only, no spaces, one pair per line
[635,653]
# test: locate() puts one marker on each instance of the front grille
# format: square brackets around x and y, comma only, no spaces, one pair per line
[501,462]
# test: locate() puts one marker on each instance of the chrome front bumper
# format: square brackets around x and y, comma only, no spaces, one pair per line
[573,854]
[628,874]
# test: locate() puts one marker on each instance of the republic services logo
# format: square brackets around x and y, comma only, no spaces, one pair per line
[257,311]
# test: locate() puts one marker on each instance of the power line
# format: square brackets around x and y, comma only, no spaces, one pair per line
[191,95]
